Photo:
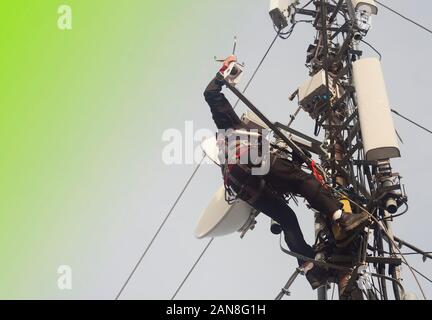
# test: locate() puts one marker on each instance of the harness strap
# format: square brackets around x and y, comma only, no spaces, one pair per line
[316,173]
[246,191]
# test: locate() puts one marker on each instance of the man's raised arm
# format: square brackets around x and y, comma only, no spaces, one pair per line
[223,113]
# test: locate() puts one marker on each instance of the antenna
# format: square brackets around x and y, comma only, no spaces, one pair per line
[235,45]
[346,96]
[357,161]
[216,59]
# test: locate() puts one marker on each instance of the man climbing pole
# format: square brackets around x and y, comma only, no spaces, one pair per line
[266,192]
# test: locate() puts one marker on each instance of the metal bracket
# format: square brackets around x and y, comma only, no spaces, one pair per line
[364,281]
[250,223]
[285,289]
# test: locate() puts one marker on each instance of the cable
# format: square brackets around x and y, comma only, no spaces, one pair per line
[393,216]
[333,291]
[376,289]
[409,120]
[402,253]
[372,47]
[188,182]
[397,248]
[384,229]
[287,34]
[307,4]
[419,273]
[235,105]
[258,67]
[323,264]
[390,279]
[193,174]
[402,16]
[414,253]
[159,229]
[193,267]
[402,243]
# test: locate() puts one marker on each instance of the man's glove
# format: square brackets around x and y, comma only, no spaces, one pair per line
[231,70]
[227,62]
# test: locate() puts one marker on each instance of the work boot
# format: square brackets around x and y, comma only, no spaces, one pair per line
[349,222]
[317,277]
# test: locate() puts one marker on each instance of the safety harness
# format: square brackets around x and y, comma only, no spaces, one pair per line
[239,181]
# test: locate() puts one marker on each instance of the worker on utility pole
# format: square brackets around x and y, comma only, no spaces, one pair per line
[265,192]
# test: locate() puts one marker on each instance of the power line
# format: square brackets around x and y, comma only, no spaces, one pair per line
[419,273]
[404,17]
[409,120]
[333,291]
[238,100]
[373,48]
[192,269]
[159,229]
[187,184]
[258,67]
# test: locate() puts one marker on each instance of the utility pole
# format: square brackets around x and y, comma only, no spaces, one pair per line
[346,96]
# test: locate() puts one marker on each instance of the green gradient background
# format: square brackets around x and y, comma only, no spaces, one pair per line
[66,98]
[81,118]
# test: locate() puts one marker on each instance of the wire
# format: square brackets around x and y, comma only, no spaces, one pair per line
[390,279]
[402,16]
[403,258]
[323,264]
[287,34]
[384,229]
[376,289]
[402,253]
[159,229]
[393,216]
[414,253]
[193,267]
[190,179]
[187,184]
[238,100]
[333,291]
[307,4]
[419,273]
[372,47]
[258,67]
[409,120]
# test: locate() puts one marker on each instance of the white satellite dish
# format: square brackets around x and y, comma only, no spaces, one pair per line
[211,149]
[221,218]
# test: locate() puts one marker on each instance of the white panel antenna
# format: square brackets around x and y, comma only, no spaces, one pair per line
[376,122]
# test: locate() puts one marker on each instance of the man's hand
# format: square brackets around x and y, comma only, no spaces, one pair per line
[229,60]
[230,71]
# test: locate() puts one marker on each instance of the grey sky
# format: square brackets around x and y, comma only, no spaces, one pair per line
[255,268]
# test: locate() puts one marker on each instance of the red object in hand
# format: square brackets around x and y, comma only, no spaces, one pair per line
[222,70]
[227,62]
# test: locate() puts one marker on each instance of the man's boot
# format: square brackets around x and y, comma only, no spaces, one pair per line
[349,222]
